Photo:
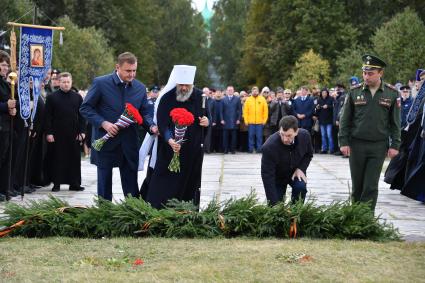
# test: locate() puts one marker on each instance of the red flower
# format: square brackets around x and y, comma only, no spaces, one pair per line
[138,261]
[133,113]
[182,117]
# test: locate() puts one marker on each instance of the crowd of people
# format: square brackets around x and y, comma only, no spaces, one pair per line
[250,117]
[49,149]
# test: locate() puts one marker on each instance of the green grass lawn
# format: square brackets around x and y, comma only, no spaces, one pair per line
[212,260]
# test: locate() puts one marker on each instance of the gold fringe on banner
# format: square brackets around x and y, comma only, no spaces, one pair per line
[13,50]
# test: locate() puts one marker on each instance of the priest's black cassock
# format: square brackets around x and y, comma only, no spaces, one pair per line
[64,122]
[414,186]
[397,171]
[161,184]
[38,147]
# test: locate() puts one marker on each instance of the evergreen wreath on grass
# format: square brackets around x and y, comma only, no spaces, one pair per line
[232,218]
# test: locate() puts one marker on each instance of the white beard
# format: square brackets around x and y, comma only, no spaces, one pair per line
[183,96]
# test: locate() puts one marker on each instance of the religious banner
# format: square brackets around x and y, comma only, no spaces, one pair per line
[35,57]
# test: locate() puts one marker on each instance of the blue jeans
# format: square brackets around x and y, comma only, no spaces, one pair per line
[255,133]
[327,141]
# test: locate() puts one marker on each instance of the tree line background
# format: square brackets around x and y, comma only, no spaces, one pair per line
[253,42]
[309,42]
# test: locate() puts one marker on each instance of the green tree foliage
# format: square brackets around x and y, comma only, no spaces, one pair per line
[254,64]
[127,27]
[180,38]
[228,25]
[367,15]
[12,10]
[278,32]
[349,63]
[161,33]
[84,53]
[310,70]
[399,43]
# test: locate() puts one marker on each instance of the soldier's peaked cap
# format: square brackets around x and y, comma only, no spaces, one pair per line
[372,62]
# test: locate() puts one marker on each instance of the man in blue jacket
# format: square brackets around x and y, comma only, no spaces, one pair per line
[230,116]
[103,105]
[303,108]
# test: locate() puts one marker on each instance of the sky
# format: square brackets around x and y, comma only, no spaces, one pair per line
[199,4]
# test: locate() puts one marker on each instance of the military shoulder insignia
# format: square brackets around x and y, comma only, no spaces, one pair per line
[391,86]
[356,86]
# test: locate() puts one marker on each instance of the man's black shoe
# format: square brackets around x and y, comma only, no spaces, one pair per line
[233,152]
[56,188]
[76,188]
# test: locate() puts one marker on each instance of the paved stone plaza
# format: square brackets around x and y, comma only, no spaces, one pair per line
[226,176]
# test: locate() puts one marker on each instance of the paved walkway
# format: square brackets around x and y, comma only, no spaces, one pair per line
[226,176]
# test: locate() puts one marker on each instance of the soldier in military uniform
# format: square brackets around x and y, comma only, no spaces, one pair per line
[369,129]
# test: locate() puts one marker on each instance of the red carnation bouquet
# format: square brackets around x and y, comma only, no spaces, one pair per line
[130,116]
[181,119]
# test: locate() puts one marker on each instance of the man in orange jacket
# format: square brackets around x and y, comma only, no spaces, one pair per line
[255,114]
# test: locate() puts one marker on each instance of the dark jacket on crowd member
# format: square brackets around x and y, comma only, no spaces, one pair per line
[338,104]
[208,131]
[4,111]
[325,115]
[217,108]
[279,161]
[279,109]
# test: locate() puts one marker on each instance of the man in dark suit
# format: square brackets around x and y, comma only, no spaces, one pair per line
[103,105]
[230,118]
[303,108]
[286,157]
[217,128]
[210,106]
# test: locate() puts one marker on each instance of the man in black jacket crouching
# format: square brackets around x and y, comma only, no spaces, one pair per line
[286,156]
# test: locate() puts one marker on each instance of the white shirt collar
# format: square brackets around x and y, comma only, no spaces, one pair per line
[119,78]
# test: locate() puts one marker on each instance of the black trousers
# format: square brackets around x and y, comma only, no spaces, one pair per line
[4,161]
[229,140]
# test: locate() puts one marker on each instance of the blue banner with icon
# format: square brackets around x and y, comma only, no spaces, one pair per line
[35,57]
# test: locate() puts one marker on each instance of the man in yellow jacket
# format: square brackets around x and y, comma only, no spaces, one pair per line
[255,115]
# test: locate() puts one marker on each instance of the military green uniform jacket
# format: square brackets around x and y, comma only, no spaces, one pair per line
[370,118]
